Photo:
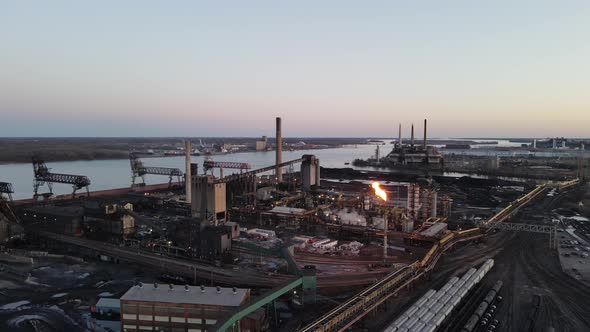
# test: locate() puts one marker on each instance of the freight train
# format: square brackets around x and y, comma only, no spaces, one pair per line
[482,308]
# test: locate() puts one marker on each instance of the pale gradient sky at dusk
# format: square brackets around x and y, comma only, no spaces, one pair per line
[329,68]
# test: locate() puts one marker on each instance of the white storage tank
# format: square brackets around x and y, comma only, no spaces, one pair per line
[411,322]
[419,326]
[401,320]
[452,291]
[430,293]
[445,299]
[438,319]
[447,309]
[421,312]
[412,310]
[437,307]
[461,293]
[438,295]
[421,302]
[480,276]
[429,328]
[427,317]
[430,303]
[455,300]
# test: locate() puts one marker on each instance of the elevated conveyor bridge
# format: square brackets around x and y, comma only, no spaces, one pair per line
[355,308]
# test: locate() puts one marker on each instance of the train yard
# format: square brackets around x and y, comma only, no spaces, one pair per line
[332,254]
[537,294]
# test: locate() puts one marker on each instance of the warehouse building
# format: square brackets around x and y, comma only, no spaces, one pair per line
[176,308]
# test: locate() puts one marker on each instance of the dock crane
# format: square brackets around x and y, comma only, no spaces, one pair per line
[44,176]
[139,170]
[6,201]
[6,189]
[209,164]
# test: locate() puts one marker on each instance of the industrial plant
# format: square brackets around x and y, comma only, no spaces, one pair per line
[293,246]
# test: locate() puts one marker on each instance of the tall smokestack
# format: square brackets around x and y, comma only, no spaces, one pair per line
[412,135]
[400,135]
[425,133]
[279,150]
[188,175]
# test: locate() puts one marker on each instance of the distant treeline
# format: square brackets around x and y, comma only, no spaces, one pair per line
[21,150]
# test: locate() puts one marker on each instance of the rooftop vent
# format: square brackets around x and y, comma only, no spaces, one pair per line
[218,290]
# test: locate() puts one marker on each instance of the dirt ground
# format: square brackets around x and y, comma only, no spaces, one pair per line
[53,295]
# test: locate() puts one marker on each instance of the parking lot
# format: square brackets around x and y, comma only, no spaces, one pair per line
[573,255]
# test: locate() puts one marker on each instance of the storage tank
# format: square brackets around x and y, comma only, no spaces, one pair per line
[427,317]
[430,303]
[421,302]
[421,312]
[447,309]
[446,287]
[401,320]
[419,326]
[438,295]
[438,319]
[445,299]
[480,275]
[429,328]
[437,307]
[411,322]
[412,310]
[462,292]
[430,293]
[455,300]
[452,291]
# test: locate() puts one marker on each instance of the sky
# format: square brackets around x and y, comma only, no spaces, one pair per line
[328,68]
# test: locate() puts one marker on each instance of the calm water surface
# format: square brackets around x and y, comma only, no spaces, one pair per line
[108,174]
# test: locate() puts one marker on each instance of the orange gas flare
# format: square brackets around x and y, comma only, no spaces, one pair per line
[378,191]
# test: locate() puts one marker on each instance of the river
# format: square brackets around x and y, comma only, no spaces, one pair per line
[108,174]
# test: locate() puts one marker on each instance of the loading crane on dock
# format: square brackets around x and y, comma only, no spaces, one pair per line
[210,164]
[138,169]
[44,176]
[6,189]
[6,201]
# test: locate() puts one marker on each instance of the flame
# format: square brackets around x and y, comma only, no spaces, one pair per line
[378,191]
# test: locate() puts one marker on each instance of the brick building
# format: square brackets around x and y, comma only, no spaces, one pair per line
[176,308]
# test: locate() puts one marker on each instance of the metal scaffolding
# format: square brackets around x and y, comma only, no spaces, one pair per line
[545,229]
